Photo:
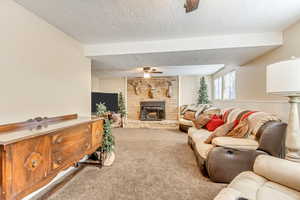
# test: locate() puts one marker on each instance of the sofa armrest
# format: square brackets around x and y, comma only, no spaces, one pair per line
[236,143]
[278,170]
[224,164]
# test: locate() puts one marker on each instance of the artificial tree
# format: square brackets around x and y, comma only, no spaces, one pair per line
[121,107]
[202,92]
[108,140]
[101,109]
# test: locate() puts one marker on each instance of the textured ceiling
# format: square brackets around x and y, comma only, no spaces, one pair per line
[103,21]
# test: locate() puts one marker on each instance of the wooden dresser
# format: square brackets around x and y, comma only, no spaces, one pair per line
[32,153]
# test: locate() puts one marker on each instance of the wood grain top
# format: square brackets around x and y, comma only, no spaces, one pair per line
[11,133]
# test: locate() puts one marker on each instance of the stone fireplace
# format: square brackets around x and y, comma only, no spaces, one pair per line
[152,103]
[152,111]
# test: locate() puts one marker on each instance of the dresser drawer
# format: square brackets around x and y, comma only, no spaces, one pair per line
[97,133]
[71,144]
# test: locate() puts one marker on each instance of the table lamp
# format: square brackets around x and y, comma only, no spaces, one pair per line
[283,79]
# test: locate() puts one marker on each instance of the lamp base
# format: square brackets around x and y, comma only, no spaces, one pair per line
[293,131]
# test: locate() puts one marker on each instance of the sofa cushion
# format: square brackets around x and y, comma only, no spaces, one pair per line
[198,135]
[236,143]
[278,170]
[203,149]
[254,187]
[274,191]
[248,183]
[201,121]
[220,131]
[228,194]
[185,122]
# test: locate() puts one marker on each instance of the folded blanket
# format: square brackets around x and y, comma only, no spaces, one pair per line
[258,119]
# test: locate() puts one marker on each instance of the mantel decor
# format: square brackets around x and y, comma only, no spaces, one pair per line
[283,79]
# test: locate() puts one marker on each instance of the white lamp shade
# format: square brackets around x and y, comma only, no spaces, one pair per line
[284,78]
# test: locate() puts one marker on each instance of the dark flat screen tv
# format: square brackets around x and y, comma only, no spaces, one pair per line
[110,100]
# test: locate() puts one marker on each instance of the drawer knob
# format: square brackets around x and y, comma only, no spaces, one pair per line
[59,161]
[34,163]
[59,140]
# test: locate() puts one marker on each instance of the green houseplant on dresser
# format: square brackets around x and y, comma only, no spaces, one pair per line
[106,152]
[108,144]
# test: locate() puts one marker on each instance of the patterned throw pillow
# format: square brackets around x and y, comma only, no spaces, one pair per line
[214,123]
[240,131]
[219,132]
[189,115]
[201,121]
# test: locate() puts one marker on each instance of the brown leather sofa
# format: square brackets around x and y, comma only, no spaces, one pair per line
[223,163]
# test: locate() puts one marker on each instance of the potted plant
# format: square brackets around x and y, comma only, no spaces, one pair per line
[106,152]
[101,110]
[108,144]
[121,108]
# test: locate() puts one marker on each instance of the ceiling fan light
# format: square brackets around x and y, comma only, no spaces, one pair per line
[147,75]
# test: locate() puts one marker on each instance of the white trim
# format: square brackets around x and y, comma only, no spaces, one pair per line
[186,44]
[251,101]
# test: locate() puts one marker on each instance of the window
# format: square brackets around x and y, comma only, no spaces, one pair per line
[229,86]
[218,88]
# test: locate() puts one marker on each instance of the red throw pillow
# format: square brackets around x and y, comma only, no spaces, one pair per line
[214,123]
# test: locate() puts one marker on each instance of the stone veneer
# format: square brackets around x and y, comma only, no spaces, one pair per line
[138,89]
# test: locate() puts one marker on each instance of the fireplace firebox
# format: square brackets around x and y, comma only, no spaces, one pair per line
[152,111]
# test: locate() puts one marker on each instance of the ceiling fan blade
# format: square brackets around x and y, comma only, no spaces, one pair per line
[191,5]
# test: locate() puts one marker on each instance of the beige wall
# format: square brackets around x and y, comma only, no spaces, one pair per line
[251,77]
[188,89]
[108,85]
[43,71]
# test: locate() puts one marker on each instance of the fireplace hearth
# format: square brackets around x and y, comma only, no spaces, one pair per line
[152,110]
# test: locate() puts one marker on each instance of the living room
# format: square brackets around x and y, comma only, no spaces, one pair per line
[182,99]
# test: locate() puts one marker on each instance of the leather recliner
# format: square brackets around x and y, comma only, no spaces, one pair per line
[271,178]
[223,164]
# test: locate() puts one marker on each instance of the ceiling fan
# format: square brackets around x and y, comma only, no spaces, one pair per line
[191,5]
[150,70]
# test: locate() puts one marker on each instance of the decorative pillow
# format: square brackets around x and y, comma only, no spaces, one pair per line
[240,131]
[214,123]
[201,121]
[189,115]
[212,111]
[219,132]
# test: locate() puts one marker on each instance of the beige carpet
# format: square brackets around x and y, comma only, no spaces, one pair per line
[149,165]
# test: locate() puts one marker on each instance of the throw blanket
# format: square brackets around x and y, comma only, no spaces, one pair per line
[258,119]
